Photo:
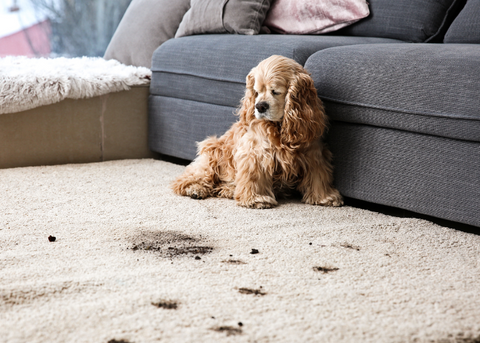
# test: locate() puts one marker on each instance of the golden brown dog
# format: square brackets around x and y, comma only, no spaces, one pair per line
[275,146]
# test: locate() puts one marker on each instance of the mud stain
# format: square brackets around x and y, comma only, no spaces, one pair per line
[460,338]
[229,330]
[166,304]
[195,250]
[324,270]
[350,246]
[170,244]
[251,291]
[42,292]
[234,262]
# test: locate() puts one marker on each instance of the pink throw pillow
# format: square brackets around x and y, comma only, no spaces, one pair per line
[314,16]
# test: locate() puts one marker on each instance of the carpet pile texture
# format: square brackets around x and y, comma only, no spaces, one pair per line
[26,83]
[105,252]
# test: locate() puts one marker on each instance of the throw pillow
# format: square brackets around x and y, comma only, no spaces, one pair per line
[407,20]
[144,27]
[313,16]
[466,27]
[224,16]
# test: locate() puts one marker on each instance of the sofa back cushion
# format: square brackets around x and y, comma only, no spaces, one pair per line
[144,27]
[313,16]
[466,26]
[407,20]
[224,16]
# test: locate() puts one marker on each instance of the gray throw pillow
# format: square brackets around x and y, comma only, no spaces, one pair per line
[466,27]
[407,20]
[144,27]
[224,16]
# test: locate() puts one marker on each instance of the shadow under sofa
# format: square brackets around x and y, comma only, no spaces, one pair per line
[413,143]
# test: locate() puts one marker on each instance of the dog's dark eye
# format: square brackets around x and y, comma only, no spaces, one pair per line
[274,92]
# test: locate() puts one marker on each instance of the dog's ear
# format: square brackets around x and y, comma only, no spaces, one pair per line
[247,110]
[304,118]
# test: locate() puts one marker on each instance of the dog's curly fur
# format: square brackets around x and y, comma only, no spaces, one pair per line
[275,146]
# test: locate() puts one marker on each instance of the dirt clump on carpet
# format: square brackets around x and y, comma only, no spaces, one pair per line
[170,244]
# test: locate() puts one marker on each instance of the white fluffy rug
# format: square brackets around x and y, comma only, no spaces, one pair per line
[26,83]
[132,262]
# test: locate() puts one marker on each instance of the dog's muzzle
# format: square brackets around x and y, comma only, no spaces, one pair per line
[261,109]
[262,106]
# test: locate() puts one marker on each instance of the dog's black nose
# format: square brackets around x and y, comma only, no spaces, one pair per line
[262,106]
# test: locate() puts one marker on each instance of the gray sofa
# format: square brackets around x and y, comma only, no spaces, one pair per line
[401,89]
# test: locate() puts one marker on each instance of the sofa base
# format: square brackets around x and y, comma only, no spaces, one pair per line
[108,127]
[425,174]
[176,125]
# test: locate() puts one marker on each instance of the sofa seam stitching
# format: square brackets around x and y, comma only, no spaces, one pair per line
[198,101]
[426,114]
[198,76]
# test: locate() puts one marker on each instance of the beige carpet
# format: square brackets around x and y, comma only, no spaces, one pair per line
[134,263]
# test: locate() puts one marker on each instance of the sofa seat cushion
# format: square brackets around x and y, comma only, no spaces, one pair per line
[213,68]
[426,88]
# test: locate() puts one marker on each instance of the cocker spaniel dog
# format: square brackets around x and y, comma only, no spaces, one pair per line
[274,147]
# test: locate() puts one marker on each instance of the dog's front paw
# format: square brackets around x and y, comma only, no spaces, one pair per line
[196,191]
[333,198]
[226,191]
[259,202]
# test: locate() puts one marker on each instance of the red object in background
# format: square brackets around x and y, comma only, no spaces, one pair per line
[33,41]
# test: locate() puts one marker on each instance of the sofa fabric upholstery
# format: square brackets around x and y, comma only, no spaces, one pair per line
[144,27]
[422,173]
[466,26]
[175,125]
[212,68]
[408,20]
[436,95]
[200,80]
